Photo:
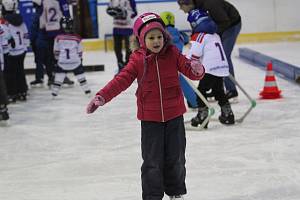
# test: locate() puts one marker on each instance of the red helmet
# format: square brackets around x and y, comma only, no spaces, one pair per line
[145,23]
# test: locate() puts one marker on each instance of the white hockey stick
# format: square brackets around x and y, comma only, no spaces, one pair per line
[252,101]
[211,110]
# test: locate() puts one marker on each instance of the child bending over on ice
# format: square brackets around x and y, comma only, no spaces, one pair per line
[206,46]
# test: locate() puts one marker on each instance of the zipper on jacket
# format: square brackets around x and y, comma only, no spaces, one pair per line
[160,91]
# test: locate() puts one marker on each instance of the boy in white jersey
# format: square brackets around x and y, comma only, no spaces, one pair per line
[68,53]
[14,67]
[3,96]
[207,47]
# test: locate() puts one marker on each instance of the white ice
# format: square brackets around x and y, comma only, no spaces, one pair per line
[52,150]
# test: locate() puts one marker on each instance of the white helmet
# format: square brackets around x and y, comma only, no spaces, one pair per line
[10,5]
[38,2]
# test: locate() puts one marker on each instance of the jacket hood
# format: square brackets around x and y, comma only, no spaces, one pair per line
[14,19]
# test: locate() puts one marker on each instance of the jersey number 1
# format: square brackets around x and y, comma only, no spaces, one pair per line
[67,53]
[220,49]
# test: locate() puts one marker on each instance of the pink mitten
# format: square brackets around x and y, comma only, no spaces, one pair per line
[95,103]
[197,68]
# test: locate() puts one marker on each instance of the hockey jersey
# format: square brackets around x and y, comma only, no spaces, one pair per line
[53,11]
[18,31]
[68,51]
[208,48]
[21,38]
[123,26]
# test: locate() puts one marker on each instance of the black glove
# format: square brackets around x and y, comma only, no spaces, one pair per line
[117,12]
[111,11]
[133,14]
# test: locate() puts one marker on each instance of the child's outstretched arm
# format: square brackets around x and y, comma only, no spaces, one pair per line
[113,88]
[97,101]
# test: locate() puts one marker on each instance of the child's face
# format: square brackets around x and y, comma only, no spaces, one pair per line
[186,8]
[154,40]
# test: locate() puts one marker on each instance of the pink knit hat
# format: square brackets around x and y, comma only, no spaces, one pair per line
[146,22]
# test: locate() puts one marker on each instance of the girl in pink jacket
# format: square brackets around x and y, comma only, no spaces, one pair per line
[156,65]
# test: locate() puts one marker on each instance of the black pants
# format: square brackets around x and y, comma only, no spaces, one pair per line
[216,84]
[163,152]
[44,57]
[14,75]
[3,94]
[118,49]
[51,61]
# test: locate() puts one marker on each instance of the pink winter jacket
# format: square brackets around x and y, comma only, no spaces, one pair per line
[159,95]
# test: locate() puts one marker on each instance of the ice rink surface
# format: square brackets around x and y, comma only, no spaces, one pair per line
[52,150]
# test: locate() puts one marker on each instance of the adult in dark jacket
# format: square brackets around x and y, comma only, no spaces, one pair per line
[229,24]
[40,45]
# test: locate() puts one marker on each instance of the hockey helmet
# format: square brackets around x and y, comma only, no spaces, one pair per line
[10,5]
[200,21]
[168,18]
[196,16]
[67,24]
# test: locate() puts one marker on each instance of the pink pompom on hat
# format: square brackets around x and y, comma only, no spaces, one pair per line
[146,22]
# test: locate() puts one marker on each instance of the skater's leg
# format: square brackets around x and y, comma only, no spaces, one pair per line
[79,74]
[118,50]
[153,159]
[174,167]
[227,116]
[127,48]
[59,77]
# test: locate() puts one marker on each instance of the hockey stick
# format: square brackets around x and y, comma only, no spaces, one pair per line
[252,101]
[211,110]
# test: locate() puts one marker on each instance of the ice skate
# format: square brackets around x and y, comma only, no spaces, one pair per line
[12,99]
[176,197]
[88,93]
[200,117]
[22,96]
[227,116]
[54,95]
[37,83]
[4,116]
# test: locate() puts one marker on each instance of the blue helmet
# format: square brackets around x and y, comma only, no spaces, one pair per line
[201,22]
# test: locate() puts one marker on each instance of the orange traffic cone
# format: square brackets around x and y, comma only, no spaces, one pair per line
[270,90]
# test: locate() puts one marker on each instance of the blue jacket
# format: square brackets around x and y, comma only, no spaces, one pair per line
[178,39]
